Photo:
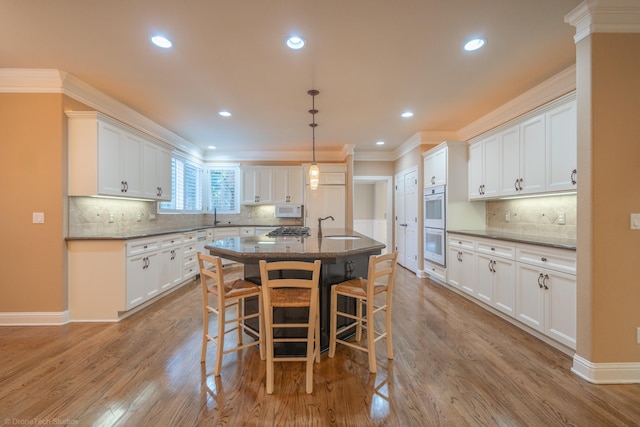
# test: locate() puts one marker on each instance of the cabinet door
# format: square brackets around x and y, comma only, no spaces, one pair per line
[484,278]
[491,160]
[324,201]
[476,171]
[504,286]
[454,268]
[152,275]
[110,180]
[467,271]
[510,165]
[529,296]
[249,190]
[562,148]
[170,267]
[295,186]
[533,155]
[131,161]
[136,288]
[560,307]
[156,172]
[440,163]
[280,186]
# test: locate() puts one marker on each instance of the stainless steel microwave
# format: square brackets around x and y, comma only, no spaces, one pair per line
[288,211]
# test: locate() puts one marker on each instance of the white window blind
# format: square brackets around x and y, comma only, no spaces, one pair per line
[224,189]
[186,186]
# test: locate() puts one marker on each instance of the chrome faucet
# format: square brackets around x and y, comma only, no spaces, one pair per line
[320,224]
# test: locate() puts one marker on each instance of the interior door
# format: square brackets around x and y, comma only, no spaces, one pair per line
[406,218]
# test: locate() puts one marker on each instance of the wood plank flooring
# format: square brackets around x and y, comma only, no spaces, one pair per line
[455,365]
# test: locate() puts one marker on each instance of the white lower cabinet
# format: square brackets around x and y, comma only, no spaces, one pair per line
[170,261]
[189,255]
[143,268]
[536,285]
[546,297]
[462,264]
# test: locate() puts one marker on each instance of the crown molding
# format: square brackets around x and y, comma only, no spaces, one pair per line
[26,80]
[553,88]
[604,16]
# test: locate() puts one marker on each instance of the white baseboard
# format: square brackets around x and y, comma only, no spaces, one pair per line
[606,373]
[34,318]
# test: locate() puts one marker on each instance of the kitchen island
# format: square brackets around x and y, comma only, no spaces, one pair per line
[344,255]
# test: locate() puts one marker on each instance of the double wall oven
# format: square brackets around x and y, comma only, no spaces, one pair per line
[434,224]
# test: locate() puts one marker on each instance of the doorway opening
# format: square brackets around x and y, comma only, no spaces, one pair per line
[373,207]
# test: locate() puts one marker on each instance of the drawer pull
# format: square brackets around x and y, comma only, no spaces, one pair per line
[543,259]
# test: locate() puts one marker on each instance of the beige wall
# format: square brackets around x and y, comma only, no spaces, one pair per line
[363,168]
[33,172]
[609,164]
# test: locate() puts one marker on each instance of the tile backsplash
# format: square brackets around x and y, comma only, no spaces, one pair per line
[536,215]
[95,216]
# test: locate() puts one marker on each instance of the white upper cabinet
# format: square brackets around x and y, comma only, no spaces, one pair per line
[484,168]
[537,155]
[268,185]
[157,172]
[257,185]
[562,147]
[435,168]
[288,185]
[108,158]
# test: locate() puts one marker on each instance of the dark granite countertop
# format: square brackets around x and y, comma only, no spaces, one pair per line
[160,232]
[251,249]
[550,241]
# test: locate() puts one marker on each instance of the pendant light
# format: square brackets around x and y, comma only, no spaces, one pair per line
[314,171]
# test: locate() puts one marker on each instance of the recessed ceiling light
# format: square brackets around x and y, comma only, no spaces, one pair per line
[407,114]
[211,147]
[161,41]
[225,113]
[380,143]
[474,44]
[295,42]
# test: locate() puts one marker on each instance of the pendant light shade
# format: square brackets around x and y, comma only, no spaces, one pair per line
[314,171]
[314,176]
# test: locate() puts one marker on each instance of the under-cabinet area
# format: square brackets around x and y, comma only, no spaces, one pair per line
[534,285]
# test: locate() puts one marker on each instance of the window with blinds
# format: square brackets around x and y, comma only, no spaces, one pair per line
[186,187]
[224,187]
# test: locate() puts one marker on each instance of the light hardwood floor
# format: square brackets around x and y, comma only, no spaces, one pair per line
[455,365]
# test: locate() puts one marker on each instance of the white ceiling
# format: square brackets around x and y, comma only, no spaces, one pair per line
[370,60]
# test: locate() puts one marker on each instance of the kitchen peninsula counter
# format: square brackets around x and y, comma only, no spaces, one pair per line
[532,239]
[344,255]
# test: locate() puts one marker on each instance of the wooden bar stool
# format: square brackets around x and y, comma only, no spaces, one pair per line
[227,295]
[379,281]
[283,290]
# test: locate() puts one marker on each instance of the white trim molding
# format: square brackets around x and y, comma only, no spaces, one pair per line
[606,373]
[604,16]
[54,318]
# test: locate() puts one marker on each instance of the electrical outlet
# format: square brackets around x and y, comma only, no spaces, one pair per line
[507,217]
[638,335]
[561,218]
[139,216]
[111,217]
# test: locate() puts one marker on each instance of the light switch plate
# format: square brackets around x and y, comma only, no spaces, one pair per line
[635,221]
[38,217]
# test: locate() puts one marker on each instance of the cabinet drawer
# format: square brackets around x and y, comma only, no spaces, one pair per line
[436,271]
[496,248]
[189,237]
[189,270]
[550,258]
[190,250]
[141,246]
[462,242]
[171,240]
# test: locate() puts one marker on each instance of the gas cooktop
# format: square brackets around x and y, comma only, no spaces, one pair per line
[289,231]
